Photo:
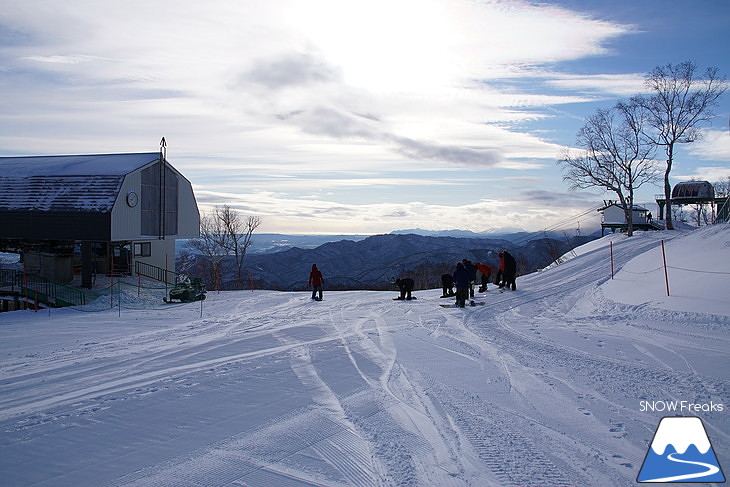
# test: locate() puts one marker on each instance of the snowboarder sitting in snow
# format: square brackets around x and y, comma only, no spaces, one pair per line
[447,283]
[406,286]
[486,272]
[462,280]
[316,280]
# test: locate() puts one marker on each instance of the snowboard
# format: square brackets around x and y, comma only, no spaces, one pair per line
[399,299]
[468,305]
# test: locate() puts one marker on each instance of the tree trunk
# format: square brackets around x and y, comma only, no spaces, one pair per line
[668,187]
[629,209]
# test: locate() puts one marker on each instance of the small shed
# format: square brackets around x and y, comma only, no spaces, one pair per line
[614,218]
[94,213]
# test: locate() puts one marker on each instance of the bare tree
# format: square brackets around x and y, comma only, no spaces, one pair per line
[616,156]
[223,233]
[680,103]
[211,244]
[722,188]
[700,214]
[237,235]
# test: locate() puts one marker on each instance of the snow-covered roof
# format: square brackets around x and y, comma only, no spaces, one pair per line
[59,193]
[75,165]
[618,205]
[66,183]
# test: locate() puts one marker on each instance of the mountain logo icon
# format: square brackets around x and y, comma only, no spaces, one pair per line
[680,452]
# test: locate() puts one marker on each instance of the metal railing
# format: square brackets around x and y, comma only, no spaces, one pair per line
[156,273]
[39,288]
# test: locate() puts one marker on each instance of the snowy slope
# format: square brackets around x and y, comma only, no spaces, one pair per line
[543,386]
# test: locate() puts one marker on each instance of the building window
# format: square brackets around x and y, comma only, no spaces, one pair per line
[142,249]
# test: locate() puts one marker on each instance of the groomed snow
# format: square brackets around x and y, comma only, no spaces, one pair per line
[544,386]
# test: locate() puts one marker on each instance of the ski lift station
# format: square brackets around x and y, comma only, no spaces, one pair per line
[114,214]
[684,193]
[697,193]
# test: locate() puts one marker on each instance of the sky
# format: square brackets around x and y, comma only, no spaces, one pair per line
[350,117]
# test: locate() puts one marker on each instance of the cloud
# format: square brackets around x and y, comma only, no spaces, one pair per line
[283,214]
[340,124]
[419,150]
[712,174]
[289,70]
[343,113]
[59,59]
[713,144]
[622,85]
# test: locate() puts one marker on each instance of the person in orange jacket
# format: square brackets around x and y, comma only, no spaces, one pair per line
[486,273]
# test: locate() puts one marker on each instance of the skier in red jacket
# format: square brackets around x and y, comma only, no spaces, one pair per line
[316,280]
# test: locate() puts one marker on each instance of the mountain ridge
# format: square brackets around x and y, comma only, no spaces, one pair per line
[374,262]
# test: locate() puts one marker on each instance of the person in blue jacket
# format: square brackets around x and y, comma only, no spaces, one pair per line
[462,281]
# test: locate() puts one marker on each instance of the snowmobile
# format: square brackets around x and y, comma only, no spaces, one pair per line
[187,291]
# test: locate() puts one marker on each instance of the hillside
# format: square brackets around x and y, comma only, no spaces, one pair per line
[560,383]
[375,262]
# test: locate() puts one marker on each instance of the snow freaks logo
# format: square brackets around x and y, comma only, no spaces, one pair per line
[680,452]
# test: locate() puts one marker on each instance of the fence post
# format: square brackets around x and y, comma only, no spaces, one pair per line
[25,284]
[666,276]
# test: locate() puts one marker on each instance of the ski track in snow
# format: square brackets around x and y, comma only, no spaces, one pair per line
[539,387]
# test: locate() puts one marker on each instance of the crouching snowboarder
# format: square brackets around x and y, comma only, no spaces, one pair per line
[486,272]
[447,283]
[405,285]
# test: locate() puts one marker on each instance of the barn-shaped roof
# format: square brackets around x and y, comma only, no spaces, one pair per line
[693,190]
[66,183]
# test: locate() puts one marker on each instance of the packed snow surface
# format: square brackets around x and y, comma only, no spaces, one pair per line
[560,383]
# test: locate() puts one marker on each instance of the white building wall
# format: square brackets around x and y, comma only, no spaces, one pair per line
[188,216]
[126,219]
[127,222]
[615,215]
[161,253]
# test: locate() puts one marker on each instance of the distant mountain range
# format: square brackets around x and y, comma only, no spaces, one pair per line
[265,243]
[375,262]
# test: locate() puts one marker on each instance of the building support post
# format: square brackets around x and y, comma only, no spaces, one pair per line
[86,265]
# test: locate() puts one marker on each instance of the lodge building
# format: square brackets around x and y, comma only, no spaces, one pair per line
[87,214]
